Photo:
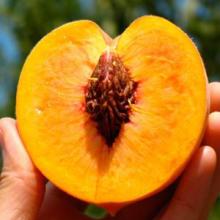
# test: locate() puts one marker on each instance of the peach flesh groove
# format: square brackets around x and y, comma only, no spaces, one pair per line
[109,93]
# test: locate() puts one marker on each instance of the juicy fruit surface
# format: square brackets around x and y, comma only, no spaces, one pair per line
[165,124]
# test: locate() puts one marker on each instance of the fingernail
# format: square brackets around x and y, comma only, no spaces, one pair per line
[207,150]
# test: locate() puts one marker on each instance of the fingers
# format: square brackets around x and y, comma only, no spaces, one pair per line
[212,135]
[58,205]
[21,185]
[212,138]
[214,88]
[193,190]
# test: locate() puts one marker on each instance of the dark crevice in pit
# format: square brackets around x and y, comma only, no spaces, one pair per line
[109,93]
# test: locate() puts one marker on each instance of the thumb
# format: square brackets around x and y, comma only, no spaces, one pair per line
[21,185]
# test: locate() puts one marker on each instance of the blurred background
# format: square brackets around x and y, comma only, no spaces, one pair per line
[23,23]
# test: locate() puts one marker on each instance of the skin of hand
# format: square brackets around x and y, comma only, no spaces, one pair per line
[25,194]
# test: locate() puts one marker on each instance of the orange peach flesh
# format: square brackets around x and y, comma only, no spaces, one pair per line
[166,124]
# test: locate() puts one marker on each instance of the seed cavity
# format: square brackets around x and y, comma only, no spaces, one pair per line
[109,95]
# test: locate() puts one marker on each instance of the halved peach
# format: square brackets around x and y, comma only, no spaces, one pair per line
[112,121]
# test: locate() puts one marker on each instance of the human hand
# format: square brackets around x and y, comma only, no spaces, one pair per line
[24,193]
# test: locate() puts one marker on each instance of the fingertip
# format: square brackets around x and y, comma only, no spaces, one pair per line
[7,126]
[207,151]
[4,124]
[214,88]
[212,134]
[209,158]
[214,120]
[15,156]
[5,121]
[203,163]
